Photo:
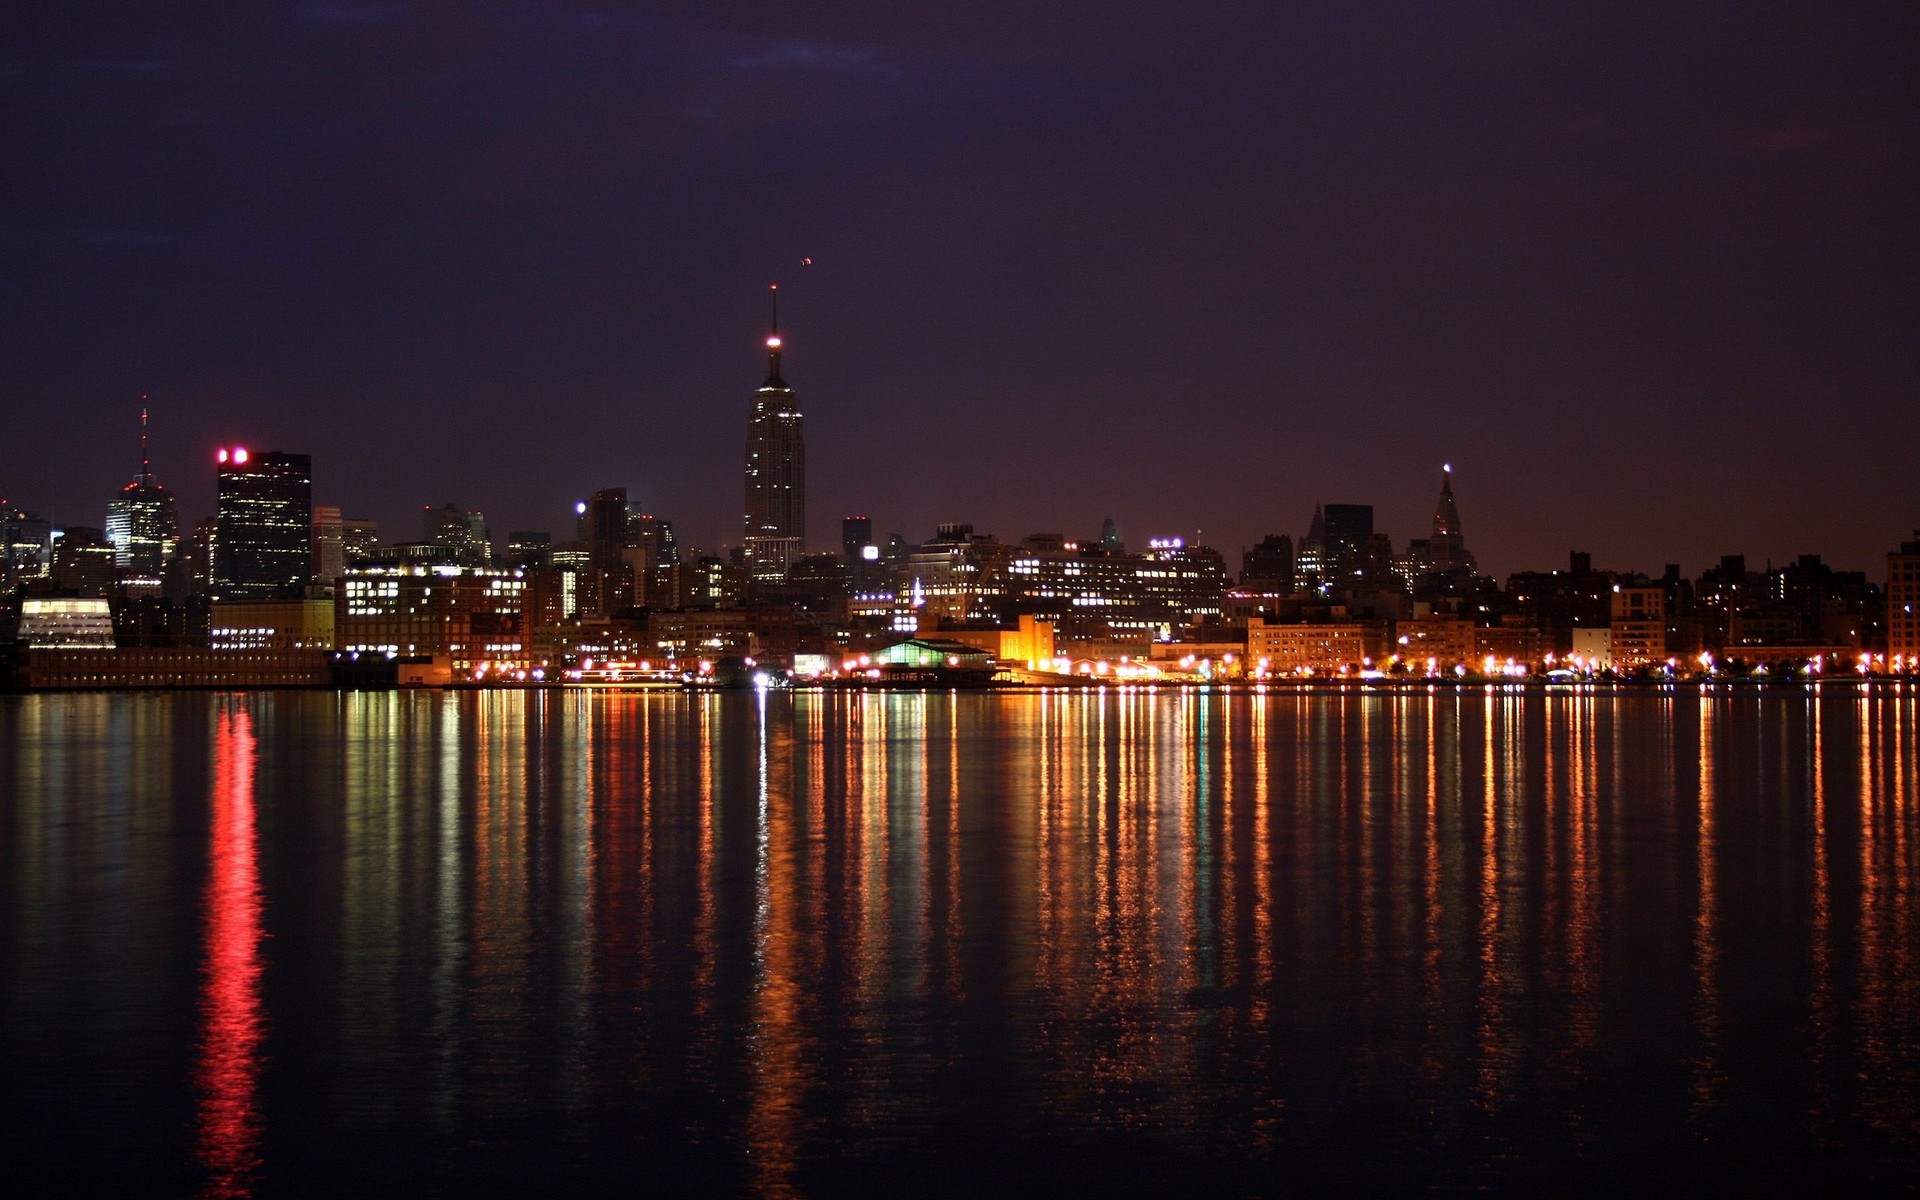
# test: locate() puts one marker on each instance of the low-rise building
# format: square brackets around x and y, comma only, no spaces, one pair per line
[1445,641]
[272,624]
[476,617]
[80,623]
[172,667]
[1331,648]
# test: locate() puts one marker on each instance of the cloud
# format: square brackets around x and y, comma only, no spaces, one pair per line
[353,14]
[818,56]
[1790,139]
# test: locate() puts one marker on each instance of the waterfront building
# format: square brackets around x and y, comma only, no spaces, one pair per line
[271,625]
[1320,648]
[67,622]
[709,633]
[1028,641]
[1089,593]
[1903,602]
[1556,602]
[776,471]
[170,667]
[1592,648]
[1446,640]
[475,618]
[1638,629]
[264,514]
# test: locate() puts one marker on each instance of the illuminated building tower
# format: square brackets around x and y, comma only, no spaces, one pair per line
[776,477]
[141,524]
[263,538]
[1441,562]
[1903,603]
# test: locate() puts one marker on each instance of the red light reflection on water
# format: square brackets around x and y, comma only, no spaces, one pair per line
[227,1067]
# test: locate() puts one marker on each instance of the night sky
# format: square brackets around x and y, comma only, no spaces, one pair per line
[1646,274]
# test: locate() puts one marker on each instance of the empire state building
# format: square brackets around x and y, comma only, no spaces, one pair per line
[776,521]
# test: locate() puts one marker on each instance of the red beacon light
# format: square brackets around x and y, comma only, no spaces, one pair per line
[240,454]
[222,456]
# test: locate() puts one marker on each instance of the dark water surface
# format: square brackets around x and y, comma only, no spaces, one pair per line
[1225,944]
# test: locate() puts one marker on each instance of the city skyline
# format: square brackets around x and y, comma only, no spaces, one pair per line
[395,528]
[1651,295]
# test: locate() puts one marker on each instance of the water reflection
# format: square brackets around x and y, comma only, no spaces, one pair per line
[232,1021]
[791,944]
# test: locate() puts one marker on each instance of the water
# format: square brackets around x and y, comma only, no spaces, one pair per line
[1242,944]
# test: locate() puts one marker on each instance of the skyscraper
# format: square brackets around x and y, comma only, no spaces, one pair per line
[1442,561]
[142,526]
[776,475]
[329,546]
[263,543]
[856,534]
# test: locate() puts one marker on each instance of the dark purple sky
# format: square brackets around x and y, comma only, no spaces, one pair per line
[1645,273]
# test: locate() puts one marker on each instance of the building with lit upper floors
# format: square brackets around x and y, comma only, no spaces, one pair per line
[263,541]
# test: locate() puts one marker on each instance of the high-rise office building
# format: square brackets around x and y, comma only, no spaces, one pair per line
[83,561]
[263,543]
[856,534]
[1335,550]
[776,471]
[1268,567]
[329,546]
[606,528]
[142,526]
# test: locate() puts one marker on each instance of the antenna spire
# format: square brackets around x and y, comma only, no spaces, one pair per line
[773,342]
[146,466]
